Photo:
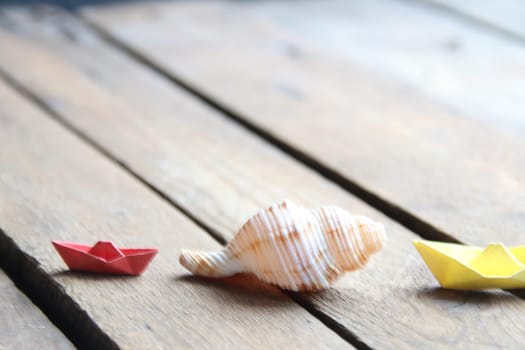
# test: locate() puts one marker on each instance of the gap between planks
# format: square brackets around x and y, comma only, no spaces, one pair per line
[105,153]
[404,217]
[22,325]
[24,270]
[47,294]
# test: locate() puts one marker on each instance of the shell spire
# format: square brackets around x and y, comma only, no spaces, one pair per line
[293,247]
[212,264]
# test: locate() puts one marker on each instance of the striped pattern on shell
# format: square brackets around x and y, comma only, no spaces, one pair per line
[293,247]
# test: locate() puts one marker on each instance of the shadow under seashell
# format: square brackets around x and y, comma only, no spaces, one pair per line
[293,247]
[243,283]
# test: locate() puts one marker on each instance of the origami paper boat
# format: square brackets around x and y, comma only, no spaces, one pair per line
[104,257]
[457,266]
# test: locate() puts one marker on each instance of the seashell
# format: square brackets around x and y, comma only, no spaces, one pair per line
[293,247]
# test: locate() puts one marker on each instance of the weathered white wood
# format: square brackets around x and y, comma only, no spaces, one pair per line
[53,186]
[222,174]
[508,15]
[22,324]
[476,72]
[457,174]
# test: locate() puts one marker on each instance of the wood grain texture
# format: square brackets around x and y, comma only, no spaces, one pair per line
[22,324]
[508,15]
[457,174]
[222,174]
[478,72]
[53,186]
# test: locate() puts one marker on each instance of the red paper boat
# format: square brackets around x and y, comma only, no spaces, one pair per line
[104,257]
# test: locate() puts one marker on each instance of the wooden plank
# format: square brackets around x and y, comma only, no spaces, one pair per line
[53,186]
[476,72]
[507,15]
[22,324]
[222,174]
[407,150]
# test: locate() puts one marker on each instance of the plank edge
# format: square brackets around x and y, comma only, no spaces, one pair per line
[50,297]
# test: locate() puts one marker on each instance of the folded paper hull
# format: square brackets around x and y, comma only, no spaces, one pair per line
[104,257]
[462,267]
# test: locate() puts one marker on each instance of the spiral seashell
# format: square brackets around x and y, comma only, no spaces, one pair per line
[293,247]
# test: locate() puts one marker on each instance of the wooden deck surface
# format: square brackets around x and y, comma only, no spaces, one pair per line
[168,124]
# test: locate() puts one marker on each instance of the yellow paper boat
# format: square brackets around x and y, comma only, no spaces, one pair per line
[458,266]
